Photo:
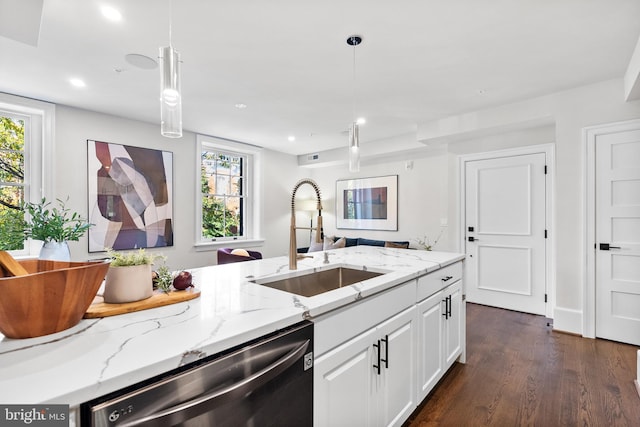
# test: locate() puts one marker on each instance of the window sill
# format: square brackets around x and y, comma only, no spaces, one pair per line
[213,246]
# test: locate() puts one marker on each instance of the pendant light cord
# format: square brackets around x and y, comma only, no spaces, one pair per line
[170,21]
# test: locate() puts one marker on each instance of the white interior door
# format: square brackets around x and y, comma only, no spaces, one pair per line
[618,236]
[505,232]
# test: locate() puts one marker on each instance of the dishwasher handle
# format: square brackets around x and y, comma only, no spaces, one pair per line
[192,408]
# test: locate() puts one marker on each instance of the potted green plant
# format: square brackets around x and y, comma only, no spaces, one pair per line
[129,277]
[53,225]
[425,243]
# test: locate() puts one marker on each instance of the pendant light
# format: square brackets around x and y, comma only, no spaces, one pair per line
[354,132]
[170,91]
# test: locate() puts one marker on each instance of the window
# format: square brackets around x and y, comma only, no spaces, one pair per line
[222,194]
[227,191]
[12,177]
[26,159]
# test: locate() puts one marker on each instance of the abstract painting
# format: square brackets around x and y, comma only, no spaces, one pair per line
[130,197]
[367,203]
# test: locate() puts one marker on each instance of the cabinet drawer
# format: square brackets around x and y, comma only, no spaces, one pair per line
[337,327]
[433,282]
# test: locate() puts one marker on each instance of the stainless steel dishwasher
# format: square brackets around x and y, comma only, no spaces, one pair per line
[268,382]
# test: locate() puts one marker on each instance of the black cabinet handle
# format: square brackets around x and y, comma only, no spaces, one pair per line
[446,278]
[447,307]
[377,367]
[385,340]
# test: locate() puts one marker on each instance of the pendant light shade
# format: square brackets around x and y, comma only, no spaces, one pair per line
[170,93]
[354,148]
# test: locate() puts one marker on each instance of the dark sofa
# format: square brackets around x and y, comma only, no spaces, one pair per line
[359,241]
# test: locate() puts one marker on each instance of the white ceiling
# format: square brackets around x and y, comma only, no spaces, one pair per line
[288,60]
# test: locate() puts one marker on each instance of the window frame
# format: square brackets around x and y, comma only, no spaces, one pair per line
[39,153]
[252,190]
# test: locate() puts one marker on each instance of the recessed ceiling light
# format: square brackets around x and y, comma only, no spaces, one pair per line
[77,82]
[240,106]
[141,61]
[361,120]
[111,13]
[291,138]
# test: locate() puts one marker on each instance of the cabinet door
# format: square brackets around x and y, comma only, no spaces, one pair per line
[430,352]
[453,325]
[344,386]
[397,398]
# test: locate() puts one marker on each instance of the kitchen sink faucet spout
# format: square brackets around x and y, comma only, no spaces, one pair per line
[293,246]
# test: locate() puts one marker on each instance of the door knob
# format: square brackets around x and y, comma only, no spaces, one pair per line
[472,239]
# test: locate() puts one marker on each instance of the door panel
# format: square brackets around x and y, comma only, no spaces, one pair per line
[507,211]
[618,224]
[505,200]
[514,277]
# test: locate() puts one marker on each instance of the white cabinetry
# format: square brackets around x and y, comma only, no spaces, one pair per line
[430,351]
[377,359]
[369,379]
[453,323]
[440,327]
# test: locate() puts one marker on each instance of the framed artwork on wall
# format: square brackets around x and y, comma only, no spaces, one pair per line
[130,196]
[367,203]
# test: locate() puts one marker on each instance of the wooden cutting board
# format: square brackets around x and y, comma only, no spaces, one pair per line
[99,308]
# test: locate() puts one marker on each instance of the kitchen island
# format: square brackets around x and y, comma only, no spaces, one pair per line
[99,356]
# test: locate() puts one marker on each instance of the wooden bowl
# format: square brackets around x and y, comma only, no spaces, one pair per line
[51,298]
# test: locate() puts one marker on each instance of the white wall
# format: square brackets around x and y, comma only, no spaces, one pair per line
[422,196]
[427,193]
[74,127]
[430,191]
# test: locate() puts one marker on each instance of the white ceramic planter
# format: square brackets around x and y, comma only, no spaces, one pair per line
[128,284]
[55,251]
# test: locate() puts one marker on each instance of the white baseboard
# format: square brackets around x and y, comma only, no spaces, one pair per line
[567,320]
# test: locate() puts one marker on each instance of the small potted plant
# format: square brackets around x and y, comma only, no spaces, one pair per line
[129,277]
[425,242]
[53,225]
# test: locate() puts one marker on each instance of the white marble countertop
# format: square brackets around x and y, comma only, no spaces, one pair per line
[99,356]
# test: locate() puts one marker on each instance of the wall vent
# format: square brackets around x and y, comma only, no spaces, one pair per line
[313,157]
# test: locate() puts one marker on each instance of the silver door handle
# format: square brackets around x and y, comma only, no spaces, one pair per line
[192,408]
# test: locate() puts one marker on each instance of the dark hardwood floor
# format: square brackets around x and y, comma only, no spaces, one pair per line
[521,373]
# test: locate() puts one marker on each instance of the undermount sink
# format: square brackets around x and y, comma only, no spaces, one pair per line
[318,282]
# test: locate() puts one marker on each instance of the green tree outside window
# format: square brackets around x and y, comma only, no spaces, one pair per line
[11,183]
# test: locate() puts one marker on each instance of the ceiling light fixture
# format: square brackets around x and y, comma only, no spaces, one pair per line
[111,13]
[354,131]
[170,94]
[77,82]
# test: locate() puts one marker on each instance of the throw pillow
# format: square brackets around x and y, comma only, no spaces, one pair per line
[399,245]
[240,252]
[315,246]
[330,244]
[370,242]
